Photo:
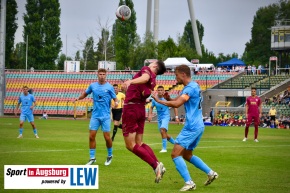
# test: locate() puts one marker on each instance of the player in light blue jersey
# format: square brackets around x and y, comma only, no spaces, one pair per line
[27,102]
[191,133]
[103,92]
[163,116]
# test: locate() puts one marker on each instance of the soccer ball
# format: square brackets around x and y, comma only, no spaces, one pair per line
[123,13]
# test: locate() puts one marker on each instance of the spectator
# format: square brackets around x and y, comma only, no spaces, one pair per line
[267,101]
[211,114]
[44,115]
[287,69]
[181,119]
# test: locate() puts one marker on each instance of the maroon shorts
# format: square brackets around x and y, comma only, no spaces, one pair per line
[251,117]
[133,119]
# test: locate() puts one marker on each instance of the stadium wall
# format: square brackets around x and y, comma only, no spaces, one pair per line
[212,96]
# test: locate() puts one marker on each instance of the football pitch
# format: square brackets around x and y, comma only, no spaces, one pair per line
[248,167]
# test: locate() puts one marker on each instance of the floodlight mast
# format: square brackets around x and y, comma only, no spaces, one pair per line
[156,22]
[2,55]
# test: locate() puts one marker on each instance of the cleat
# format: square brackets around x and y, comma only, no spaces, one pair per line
[211,178]
[256,140]
[91,161]
[163,151]
[188,187]
[109,160]
[36,136]
[20,136]
[159,171]
[245,139]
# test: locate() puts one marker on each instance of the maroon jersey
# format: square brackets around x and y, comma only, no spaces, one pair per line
[137,93]
[253,105]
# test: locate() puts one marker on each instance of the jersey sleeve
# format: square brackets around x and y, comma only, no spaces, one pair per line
[153,103]
[32,98]
[89,90]
[112,92]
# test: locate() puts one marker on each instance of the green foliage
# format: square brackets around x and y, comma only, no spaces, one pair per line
[42,27]
[60,61]
[18,57]
[145,50]
[105,47]
[258,49]
[242,166]
[187,36]
[89,55]
[11,27]
[166,48]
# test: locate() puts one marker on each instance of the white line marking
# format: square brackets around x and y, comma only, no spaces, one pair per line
[41,151]
[153,144]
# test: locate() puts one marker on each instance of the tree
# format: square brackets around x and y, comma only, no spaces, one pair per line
[60,61]
[258,49]
[11,27]
[105,46]
[125,34]
[42,28]
[166,48]
[187,36]
[18,56]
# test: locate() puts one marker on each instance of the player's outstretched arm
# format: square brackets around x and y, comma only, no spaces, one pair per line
[175,104]
[140,80]
[84,95]
[150,114]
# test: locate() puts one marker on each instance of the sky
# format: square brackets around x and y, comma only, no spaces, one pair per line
[227,23]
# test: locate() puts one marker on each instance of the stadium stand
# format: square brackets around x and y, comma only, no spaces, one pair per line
[54,91]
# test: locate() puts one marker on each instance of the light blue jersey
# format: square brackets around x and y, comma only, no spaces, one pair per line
[26,102]
[163,114]
[102,95]
[194,126]
[162,110]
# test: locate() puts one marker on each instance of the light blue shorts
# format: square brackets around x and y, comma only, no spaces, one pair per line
[28,117]
[189,138]
[163,123]
[105,124]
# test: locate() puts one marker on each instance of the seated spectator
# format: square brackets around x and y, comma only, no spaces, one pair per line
[181,118]
[266,121]
[235,120]
[218,119]
[267,101]
[44,115]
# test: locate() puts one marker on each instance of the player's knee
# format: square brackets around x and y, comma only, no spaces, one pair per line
[92,138]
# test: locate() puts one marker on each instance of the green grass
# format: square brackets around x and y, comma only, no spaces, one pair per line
[242,166]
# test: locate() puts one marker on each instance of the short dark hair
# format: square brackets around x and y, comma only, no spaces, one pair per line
[161,67]
[183,68]
[253,88]
[115,85]
[160,87]
[102,70]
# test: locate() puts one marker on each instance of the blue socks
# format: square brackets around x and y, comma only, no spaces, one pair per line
[181,167]
[197,162]
[35,131]
[20,131]
[171,140]
[92,153]
[164,143]
[110,151]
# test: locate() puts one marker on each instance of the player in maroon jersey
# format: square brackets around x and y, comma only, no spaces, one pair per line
[253,112]
[133,119]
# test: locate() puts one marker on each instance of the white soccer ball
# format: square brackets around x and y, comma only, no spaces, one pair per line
[123,13]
